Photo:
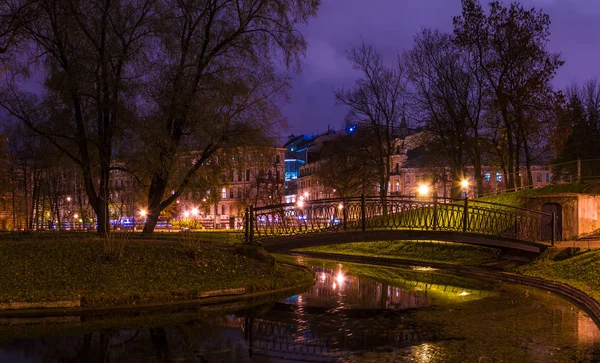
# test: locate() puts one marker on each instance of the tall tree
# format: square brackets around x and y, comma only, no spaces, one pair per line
[510,46]
[88,54]
[448,95]
[217,80]
[375,105]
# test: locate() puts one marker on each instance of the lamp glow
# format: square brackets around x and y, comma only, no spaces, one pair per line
[341,206]
[305,194]
[300,203]
[186,214]
[75,215]
[143,212]
[423,190]
[195,211]
[464,184]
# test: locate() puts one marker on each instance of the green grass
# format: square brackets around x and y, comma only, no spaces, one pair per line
[443,252]
[514,198]
[76,267]
[434,281]
[581,271]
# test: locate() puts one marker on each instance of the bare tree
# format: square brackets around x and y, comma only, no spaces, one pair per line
[86,51]
[218,80]
[448,96]
[375,104]
[510,47]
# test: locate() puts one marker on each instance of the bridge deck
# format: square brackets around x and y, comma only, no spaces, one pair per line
[284,243]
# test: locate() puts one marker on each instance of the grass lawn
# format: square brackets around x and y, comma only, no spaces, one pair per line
[514,198]
[434,251]
[581,271]
[76,266]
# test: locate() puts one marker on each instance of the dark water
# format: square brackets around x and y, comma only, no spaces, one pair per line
[393,315]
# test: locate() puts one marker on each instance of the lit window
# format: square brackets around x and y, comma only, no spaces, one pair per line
[547,177]
[224,193]
[397,187]
[499,177]
[486,177]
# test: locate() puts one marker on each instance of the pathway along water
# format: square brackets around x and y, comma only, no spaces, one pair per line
[353,313]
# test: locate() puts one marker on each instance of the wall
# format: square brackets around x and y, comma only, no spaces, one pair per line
[579,212]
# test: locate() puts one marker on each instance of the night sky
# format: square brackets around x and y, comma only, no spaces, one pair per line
[391,24]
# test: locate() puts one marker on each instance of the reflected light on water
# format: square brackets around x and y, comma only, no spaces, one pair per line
[464,293]
[424,352]
[340,278]
[334,285]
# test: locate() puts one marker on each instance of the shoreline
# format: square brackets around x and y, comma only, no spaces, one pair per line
[52,311]
[572,294]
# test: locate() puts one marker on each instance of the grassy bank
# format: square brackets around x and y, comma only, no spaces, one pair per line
[433,251]
[514,198]
[581,271]
[77,267]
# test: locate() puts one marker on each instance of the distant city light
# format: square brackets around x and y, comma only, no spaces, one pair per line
[75,215]
[340,206]
[423,190]
[68,199]
[300,203]
[305,194]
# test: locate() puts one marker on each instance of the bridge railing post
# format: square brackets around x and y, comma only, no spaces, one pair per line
[553,228]
[435,217]
[516,226]
[251,225]
[246,226]
[363,213]
[466,214]
[344,214]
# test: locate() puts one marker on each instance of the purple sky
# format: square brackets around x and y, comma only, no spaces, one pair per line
[391,24]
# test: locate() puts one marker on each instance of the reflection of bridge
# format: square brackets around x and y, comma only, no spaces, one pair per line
[301,342]
[342,220]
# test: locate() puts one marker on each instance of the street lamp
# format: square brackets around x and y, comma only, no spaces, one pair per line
[464,184]
[143,213]
[300,203]
[195,212]
[423,190]
[186,214]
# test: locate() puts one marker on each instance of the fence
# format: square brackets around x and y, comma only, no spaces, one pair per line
[399,212]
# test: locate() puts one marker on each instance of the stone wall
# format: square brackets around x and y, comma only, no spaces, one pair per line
[579,212]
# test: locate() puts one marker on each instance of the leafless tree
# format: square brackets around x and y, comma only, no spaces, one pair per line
[375,105]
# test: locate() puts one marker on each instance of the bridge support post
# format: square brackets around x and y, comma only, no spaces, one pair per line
[466,214]
[553,228]
[363,213]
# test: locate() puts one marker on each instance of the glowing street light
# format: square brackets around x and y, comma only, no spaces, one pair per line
[305,194]
[75,215]
[300,203]
[68,199]
[340,206]
[143,213]
[423,190]
[186,214]
[464,184]
[195,212]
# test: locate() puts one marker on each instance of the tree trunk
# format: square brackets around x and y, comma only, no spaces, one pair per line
[155,194]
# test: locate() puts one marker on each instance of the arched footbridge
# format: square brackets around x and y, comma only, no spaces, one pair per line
[366,218]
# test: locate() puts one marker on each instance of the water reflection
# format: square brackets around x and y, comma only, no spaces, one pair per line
[343,317]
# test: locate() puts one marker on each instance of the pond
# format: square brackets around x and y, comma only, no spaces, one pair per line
[353,313]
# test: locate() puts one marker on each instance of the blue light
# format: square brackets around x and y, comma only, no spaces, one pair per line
[350,128]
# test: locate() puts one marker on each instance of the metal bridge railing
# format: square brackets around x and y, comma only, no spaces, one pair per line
[398,212]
